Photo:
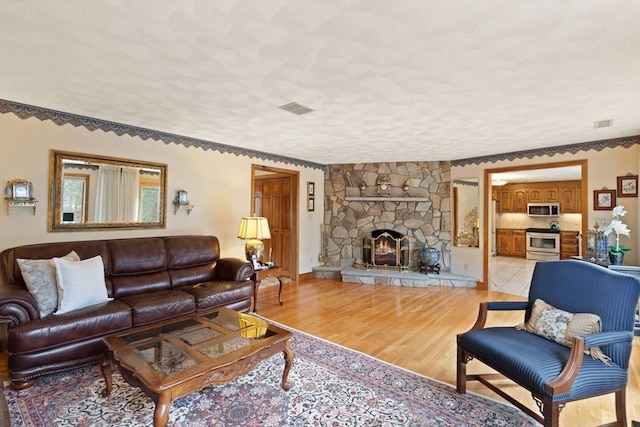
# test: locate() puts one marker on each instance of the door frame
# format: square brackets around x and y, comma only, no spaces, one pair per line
[487,204]
[294,214]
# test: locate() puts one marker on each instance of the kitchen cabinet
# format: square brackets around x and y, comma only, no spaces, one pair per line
[520,201]
[519,243]
[513,198]
[568,244]
[511,242]
[543,194]
[570,199]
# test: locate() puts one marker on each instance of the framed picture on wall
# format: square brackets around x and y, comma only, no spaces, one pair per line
[628,186]
[604,200]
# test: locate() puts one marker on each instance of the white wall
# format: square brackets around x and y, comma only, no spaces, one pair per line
[603,167]
[219,186]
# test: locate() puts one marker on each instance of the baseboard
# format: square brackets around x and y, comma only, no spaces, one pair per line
[306,276]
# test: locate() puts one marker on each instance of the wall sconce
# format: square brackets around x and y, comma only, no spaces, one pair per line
[181,201]
[363,188]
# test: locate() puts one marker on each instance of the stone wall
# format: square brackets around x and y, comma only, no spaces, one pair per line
[423,212]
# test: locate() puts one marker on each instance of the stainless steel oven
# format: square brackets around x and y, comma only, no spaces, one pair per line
[543,245]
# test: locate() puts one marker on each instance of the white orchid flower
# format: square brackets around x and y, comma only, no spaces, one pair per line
[618,211]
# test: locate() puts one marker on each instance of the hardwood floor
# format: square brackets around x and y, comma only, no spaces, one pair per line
[416,328]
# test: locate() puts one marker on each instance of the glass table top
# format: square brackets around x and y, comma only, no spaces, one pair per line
[175,347]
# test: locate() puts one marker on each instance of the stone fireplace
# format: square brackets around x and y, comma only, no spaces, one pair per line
[386,249]
[416,204]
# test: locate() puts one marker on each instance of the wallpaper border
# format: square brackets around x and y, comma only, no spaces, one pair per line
[626,142]
[25,111]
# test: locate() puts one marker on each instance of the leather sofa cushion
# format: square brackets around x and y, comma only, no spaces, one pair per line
[79,325]
[190,251]
[214,294]
[133,284]
[137,256]
[152,307]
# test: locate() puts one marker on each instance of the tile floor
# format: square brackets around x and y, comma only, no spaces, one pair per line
[510,275]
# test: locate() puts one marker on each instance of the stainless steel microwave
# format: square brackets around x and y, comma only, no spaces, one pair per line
[543,209]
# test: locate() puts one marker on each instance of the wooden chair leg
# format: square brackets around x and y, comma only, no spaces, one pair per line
[551,413]
[621,407]
[461,372]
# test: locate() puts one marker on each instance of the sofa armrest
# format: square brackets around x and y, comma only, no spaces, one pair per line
[606,338]
[495,306]
[507,305]
[17,305]
[234,269]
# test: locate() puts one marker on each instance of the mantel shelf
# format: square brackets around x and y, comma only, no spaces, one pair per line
[387,199]
[17,203]
[178,206]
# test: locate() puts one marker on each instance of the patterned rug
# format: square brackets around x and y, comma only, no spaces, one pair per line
[331,386]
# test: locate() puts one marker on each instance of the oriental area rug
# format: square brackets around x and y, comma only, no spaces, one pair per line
[330,386]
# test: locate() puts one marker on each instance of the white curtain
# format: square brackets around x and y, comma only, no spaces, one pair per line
[107,193]
[117,194]
[129,185]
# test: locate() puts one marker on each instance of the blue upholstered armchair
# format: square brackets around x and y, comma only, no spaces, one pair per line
[556,373]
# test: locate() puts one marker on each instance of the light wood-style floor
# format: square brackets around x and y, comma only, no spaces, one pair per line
[415,328]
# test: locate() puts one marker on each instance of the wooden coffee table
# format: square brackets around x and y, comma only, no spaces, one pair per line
[170,359]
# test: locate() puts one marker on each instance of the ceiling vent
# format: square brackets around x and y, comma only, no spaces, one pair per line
[603,124]
[295,108]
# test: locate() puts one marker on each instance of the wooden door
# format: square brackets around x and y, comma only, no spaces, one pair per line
[273,200]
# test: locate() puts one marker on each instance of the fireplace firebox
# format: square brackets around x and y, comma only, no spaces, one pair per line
[386,249]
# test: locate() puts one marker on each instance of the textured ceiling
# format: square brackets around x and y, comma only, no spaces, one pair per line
[387,80]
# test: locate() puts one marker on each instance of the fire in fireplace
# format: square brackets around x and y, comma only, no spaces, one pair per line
[386,249]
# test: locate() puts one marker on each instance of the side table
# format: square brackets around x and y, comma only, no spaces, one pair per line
[259,275]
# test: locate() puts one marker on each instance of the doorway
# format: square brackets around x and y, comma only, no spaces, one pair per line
[546,169]
[275,197]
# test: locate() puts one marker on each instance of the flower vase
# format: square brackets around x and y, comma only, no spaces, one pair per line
[616,258]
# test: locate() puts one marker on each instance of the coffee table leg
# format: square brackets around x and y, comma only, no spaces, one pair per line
[161,414]
[106,372]
[288,362]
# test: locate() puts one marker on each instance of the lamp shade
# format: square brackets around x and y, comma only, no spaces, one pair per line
[255,227]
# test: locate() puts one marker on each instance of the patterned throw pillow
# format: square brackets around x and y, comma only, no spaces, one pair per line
[40,277]
[561,326]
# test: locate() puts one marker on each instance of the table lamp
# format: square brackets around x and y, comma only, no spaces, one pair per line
[254,228]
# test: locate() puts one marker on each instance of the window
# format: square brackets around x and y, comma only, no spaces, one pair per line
[74,194]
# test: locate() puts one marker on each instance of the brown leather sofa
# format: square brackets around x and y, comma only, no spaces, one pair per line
[149,279]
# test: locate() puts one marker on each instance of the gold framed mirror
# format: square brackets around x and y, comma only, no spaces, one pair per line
[89,192]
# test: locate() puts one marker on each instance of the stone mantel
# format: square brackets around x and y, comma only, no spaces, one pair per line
[387,199]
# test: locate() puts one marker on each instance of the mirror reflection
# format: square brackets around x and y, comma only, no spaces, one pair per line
[465,219]
[89,192]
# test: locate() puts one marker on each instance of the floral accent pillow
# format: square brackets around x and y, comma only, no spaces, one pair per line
[40,277]
[561,326]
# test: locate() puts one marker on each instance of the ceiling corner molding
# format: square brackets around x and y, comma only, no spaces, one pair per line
[60,118]
[625,142]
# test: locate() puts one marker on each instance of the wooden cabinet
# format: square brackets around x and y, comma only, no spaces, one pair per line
[511,242]
[542,194]
[505,242]
[519,243]
[506,200]
[568,244]
[513,198]
[570,199]
[520,201]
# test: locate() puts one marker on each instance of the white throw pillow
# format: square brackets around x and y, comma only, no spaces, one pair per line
[80,284]
[40,277]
